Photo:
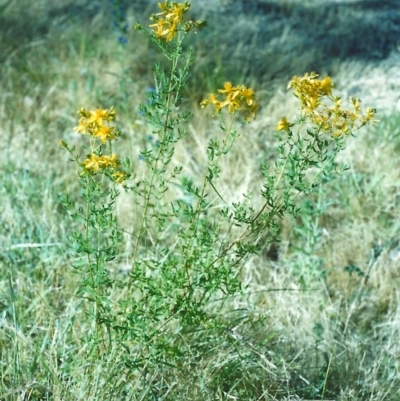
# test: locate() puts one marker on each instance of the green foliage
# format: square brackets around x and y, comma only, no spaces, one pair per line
[4,6]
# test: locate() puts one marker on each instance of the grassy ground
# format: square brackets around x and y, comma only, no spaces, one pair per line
[320,317]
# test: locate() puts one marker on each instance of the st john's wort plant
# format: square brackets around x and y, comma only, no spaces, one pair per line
[99,241]
[188,250]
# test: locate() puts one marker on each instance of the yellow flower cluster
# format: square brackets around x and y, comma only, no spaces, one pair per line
[334,119]
[237,99]
[310,90]
[95,162]
[166,23]
[93,123]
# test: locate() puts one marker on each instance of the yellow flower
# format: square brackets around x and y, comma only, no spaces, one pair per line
[92,163]
[248,95]
[92,123]
[356,104]
[170,33]
[104,133]
[212,99]
[119,177]
[237,98]
[341,128]
[163,7]
[160,28]
[97,116]
[232,104]
[95,162]
[311,103]
[326,86]
[283,125]
[176,12]
[370,115]
[82,126]
[250,111]
[164,30]
[167,27]
[111,114]
[228,88]
[309,90]
[335,119]
[83,113]
[321,120]
[109,161]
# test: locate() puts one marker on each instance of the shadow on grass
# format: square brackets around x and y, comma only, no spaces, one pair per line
[271,40]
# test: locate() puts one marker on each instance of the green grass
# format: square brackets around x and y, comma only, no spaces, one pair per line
[319,318]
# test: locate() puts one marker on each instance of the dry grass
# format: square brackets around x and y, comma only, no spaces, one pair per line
[313,329]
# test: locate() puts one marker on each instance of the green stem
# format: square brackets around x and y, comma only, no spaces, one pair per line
[196,214]
[248,231]
[157,159]
[91,272]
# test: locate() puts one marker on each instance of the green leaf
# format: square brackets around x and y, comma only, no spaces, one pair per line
[4,6]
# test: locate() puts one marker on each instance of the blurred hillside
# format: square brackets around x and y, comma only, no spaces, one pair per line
[285,37]
[262,41]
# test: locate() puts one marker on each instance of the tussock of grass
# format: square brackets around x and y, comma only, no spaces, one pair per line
[320,315]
